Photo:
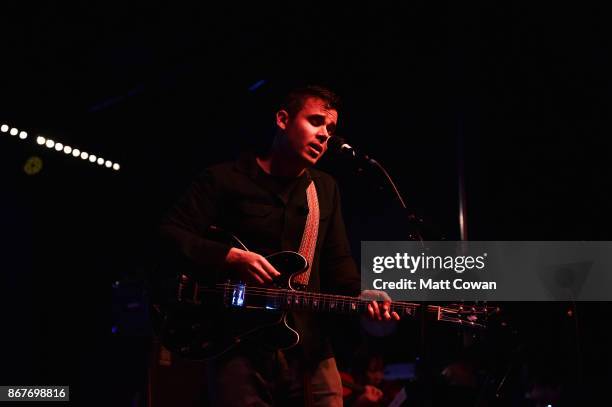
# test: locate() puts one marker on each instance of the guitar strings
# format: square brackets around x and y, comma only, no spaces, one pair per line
[443,314]
[340,298]
[326,298]
[323,296]
[282,294]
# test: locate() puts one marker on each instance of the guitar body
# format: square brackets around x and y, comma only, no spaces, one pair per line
[207,322]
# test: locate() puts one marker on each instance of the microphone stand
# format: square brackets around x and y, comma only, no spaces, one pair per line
[414,221]
[414,235]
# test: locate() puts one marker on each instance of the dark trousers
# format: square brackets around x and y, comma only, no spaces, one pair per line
[250,377]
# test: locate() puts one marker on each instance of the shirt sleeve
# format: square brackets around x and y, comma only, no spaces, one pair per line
[185,228]
[337,263]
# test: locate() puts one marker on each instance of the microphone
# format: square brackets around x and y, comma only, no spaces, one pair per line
[339,145]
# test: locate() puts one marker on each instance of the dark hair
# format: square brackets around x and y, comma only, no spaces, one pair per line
[295,98]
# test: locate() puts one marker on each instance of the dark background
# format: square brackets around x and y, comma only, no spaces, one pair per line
[515,96]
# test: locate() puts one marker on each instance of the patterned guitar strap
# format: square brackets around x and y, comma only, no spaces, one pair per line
[307,249]
[311,231]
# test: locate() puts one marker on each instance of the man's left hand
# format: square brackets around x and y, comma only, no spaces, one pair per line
[376,311]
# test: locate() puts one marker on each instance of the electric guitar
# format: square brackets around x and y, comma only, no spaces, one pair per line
[207,320]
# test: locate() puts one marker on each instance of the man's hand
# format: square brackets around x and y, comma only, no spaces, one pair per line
[371,395]
[374,310]
[250,267]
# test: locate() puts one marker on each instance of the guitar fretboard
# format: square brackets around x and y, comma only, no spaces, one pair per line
[286,299]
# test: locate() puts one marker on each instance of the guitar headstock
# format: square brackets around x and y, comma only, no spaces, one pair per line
[473,315]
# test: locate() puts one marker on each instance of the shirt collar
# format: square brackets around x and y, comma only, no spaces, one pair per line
[247,164]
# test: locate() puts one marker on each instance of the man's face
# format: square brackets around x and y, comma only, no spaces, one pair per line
[307,132]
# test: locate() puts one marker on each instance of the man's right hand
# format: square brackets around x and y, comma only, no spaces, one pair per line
[250,267]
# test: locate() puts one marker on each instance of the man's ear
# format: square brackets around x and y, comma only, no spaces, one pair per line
[282,118]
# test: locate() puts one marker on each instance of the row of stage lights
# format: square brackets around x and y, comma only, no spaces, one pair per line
[51,144]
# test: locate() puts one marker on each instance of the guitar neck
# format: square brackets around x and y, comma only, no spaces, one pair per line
[286,299]
[238,295]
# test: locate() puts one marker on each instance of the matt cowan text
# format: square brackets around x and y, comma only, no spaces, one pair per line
[431,284]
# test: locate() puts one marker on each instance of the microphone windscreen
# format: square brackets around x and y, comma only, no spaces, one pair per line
[336,143]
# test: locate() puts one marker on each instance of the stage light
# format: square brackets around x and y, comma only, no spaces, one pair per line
[33,165]
[68,150]
[14,131]
[4,128]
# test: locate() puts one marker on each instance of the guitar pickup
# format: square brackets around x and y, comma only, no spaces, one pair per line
[238,295]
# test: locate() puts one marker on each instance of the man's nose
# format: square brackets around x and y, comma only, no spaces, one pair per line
[323,136]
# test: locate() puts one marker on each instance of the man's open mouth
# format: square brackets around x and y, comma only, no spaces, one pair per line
[316,147]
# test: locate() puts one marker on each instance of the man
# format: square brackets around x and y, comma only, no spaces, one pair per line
[262,199]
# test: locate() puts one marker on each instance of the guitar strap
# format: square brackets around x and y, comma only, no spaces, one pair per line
[307,249]
[311,231]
